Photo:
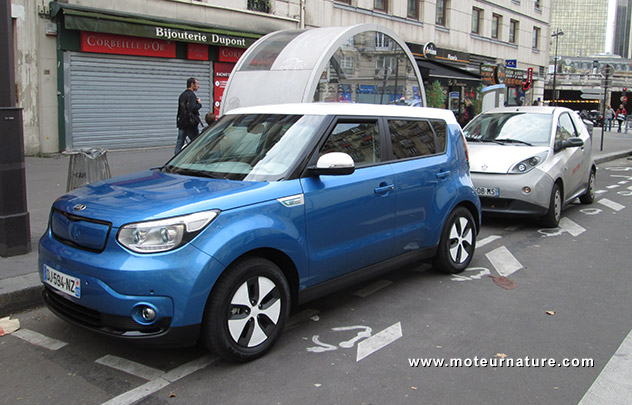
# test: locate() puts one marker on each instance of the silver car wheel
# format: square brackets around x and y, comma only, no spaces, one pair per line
[254,311]
[557,205]
[461,237]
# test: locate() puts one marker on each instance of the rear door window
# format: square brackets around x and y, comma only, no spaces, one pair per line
[358,139]
[415,138]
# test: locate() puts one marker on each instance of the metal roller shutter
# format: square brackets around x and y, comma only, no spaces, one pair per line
[118,102]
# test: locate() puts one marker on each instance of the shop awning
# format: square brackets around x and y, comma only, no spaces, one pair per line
[445,73]
[88,19]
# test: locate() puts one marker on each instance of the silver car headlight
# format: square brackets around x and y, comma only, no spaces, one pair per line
[164,234]
[526,165]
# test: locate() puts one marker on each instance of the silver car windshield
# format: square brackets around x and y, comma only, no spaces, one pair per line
[253,147]
[510,128]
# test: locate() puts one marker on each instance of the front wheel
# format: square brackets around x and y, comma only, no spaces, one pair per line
[589,196]
[247,310]
[552,218]
[458,241]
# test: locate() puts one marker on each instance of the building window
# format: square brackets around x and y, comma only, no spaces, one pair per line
[537,4]
[441,12]
[536,38]
[513,31]
[343,1]
[477,16]
[262,6]
[413,9]
[496,25]
[380,5]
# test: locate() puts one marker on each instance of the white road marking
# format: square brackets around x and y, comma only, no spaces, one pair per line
[630,188]
[591,211]
[38,339]
[503,261]
[571,227]
[379,340]
[161,382]
[370,289]
[613,186]
[623,182]
[613,385]
[130,367]
[611,204]
[601,191]
[487,240]
[482,271]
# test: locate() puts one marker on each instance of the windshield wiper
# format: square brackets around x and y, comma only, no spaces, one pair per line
[514,141]
[492,140]
[193,172]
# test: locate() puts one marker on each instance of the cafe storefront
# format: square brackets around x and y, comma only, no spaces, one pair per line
[120,75]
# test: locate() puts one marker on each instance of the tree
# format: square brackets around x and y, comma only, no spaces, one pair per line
[435,95]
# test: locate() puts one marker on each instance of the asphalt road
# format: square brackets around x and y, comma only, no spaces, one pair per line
[532,297]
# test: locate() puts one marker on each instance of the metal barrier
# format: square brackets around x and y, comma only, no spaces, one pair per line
[87,166]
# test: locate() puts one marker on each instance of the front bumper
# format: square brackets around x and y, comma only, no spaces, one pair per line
[513,199]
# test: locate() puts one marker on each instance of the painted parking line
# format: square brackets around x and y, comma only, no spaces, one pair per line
[487,240]
[613,385]
[130,367]
[38,339]
[571,227]
[370,289]
[613,186]
[379,340]
[161,382]
[611,204]
[503,261]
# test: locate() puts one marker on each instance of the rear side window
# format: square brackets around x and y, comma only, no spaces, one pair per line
[414,138]
[360,140]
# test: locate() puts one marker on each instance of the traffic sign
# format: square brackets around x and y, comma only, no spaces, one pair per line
[591,96]
[624,99]
[607,70]
[592,91]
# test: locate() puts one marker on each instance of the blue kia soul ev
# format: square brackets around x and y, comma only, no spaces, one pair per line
[270,207]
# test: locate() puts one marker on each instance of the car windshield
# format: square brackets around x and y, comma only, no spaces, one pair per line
[510,128]
[251,147]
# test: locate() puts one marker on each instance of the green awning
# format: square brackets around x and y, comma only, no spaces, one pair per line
[86,19]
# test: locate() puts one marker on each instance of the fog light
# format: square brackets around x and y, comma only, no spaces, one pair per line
[526,189]
[148,314]
[144,313]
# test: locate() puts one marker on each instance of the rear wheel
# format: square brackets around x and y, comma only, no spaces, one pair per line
[458,241]
[247,310]
[552,218]
[589,196]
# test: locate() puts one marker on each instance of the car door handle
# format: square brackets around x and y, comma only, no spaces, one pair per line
[384,189]
[443,175]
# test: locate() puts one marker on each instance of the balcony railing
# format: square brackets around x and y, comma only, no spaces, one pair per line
[262,6]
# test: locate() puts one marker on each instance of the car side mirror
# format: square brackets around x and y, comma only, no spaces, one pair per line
[333,164]
[574,142]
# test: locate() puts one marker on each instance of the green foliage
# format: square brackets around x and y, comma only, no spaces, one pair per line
[436,95]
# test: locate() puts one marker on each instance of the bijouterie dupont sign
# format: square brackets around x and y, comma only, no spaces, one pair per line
[200,37]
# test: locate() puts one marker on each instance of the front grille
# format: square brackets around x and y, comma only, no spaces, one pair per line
[104,323]
[79,232]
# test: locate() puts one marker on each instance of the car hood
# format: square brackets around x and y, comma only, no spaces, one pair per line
[153,195]
[499,159]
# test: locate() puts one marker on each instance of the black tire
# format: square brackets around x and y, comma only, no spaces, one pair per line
[240,323]
[552,218]
[589,196]
[458,241]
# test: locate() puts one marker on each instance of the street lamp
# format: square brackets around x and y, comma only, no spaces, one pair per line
[557,34]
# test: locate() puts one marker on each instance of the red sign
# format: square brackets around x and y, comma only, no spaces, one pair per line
[222,73]
[227,54]
[197,51]
[123,45]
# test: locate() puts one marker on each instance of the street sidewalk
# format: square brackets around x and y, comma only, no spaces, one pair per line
[20,287]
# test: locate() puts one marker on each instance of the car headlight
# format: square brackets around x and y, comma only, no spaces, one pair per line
[164,234]
[526,165]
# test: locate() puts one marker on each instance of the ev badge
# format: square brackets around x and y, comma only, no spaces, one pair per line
[79,207]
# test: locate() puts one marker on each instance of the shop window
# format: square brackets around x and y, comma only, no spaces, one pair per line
[477,17]
[440,18]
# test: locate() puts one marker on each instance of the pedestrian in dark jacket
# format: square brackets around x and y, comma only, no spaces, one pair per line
[188,119]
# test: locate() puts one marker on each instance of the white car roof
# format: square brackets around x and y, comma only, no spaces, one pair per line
[349,109]
[528,109]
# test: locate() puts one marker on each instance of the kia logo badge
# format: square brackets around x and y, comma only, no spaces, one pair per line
[79,207]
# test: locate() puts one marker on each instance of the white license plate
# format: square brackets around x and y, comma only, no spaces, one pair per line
[488,191]
[62,282]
